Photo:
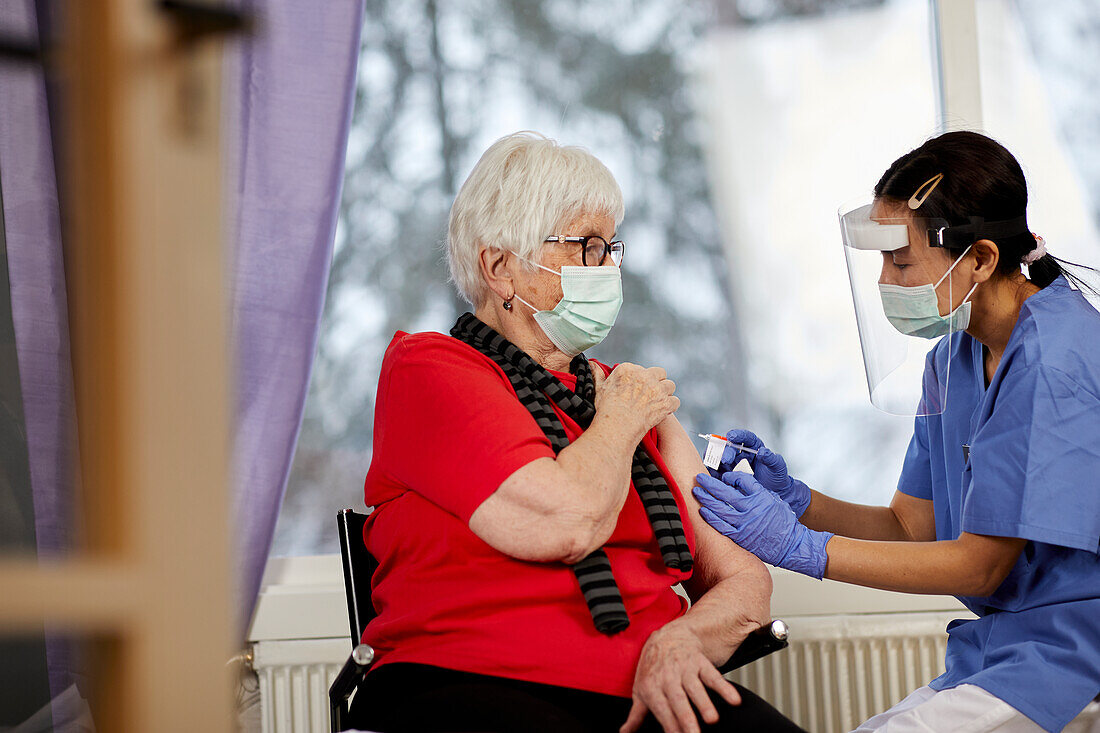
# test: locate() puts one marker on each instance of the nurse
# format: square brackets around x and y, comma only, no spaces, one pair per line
[999,497]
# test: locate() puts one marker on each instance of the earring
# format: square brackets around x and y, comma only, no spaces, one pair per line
[508,305]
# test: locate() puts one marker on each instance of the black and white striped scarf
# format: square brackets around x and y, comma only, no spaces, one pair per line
[536,388]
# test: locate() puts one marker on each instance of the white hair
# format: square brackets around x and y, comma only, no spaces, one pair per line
[524,187]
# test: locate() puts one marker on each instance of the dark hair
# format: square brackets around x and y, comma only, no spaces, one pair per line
[980,178]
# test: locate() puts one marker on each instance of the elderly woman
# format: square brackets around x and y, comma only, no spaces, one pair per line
[529,522]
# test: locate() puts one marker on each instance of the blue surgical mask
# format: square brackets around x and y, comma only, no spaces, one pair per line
[915,311]
[590,302]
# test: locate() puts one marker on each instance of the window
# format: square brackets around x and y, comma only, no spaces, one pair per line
[736,129]
[1039,69]
[806,111]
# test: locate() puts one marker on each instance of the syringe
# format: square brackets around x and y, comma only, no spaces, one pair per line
[738,446]
[716,447]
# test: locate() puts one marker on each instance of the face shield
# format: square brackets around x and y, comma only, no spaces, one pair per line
[906,291]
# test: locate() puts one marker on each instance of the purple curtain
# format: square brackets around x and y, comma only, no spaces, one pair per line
[292,84]
[36,273]
[289,90]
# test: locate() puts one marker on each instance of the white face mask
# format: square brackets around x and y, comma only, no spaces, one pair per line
[915,311]
[590,302]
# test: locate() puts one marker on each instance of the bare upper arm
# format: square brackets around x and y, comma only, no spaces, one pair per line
[993,556]
[522,518]
[716,556]
[916,517]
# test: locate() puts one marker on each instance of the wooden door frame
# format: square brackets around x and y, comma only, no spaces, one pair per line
[147,313]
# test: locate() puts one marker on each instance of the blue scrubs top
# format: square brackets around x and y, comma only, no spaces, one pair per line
[1021,458]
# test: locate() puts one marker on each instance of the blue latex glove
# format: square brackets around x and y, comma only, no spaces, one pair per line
[768,467]
[739,507]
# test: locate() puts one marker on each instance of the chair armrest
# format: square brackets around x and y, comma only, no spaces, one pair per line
[760,643]
[349,677]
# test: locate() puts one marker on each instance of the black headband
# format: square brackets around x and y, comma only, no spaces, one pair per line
[961,236]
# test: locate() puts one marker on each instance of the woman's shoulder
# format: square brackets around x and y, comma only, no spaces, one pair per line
[1059,330]
[427,346]
[431,351]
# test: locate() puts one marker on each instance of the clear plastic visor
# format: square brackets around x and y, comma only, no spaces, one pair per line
[902,289]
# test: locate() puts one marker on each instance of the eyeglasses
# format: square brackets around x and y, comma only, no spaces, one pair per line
[594,249]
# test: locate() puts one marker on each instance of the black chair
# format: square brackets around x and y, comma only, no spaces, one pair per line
[359,566]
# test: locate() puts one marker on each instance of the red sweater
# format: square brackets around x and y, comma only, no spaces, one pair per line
[448,431]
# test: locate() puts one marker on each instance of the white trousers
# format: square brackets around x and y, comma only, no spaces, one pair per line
[966,709]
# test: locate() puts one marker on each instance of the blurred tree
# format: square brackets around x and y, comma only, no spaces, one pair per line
[753,12]
[437,83]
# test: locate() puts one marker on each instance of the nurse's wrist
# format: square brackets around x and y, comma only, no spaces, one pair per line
[806,553]
[798,497]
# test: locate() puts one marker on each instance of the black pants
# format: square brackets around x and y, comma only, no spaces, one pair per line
[399,697]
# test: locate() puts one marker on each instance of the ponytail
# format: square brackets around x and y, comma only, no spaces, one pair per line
[1044,270]
[1049,268]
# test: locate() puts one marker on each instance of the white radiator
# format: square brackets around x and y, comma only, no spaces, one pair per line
[294,679]
[854,651]
[841,670]
[837,672]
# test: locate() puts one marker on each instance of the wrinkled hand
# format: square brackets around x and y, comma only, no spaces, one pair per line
[739,507]
[672,675]
[768,467]
[637,396]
